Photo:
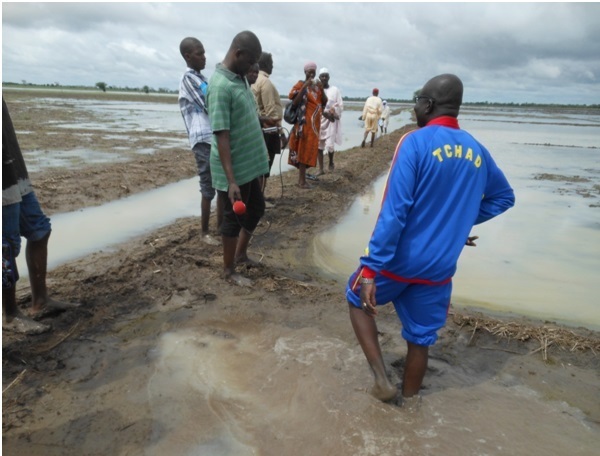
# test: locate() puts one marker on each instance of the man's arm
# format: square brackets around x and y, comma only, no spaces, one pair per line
[224,147]
[499,195]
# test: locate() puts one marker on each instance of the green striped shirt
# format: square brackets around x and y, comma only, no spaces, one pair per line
[231,106]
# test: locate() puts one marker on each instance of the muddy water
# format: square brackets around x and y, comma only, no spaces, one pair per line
[241,386]
[542,257]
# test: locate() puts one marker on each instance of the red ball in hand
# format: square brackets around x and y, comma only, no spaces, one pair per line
[239,208]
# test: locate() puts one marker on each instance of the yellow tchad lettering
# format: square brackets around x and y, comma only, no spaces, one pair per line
[456,151]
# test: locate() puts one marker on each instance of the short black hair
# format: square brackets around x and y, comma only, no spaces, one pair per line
[266,59]
[188,44]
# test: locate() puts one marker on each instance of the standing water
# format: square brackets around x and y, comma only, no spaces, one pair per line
[541,258]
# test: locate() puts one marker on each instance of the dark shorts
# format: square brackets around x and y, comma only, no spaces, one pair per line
[273,143]
[24,219]
[422,309]
[252,196]
[202,155]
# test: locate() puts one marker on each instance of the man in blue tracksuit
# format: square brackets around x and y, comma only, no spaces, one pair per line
[441,183]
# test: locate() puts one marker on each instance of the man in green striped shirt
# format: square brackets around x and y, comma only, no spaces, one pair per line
[238,154]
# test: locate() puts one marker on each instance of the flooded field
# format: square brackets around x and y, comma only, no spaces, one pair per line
[542,258]
[165,357]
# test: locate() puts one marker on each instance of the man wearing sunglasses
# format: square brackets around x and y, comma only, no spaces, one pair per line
[441,183]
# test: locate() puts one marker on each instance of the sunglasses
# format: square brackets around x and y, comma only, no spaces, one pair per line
[418,97]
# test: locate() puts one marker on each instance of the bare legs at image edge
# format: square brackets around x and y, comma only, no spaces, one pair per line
[36,254]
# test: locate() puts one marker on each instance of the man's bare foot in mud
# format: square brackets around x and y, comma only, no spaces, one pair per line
[411,404]
[51,307]
[22,324]
[247,261]
[237,279]
[385,392]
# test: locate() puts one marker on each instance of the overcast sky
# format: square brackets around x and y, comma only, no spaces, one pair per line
[505,52]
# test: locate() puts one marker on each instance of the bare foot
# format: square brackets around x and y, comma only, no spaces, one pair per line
[239,280]
[24,325]
[247,261]
[384,393]
[52,307]
[411,404]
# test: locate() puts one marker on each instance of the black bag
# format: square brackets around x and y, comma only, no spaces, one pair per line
[290,115]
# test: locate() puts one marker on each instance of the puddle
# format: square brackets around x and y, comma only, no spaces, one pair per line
[39,160]
[79,233]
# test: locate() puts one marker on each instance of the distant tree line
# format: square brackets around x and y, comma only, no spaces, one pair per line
[104,87]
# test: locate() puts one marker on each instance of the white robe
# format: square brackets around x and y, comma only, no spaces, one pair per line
[331,132]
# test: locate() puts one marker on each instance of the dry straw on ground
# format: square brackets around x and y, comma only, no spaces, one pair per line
[546,335]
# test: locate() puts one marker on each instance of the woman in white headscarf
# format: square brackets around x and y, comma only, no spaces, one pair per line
[310,97]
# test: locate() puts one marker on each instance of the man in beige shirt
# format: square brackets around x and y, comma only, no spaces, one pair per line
[270,109]
[371,114]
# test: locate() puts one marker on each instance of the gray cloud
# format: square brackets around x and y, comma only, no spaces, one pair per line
[525,52]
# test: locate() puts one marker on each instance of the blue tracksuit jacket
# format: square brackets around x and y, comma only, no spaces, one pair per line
[441,183]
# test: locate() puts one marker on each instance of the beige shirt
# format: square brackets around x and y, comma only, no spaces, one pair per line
[267,98]
[373,107]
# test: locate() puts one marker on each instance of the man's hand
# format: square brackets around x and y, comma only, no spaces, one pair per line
[234,193]
[267,122]
[367,298]
[471,241]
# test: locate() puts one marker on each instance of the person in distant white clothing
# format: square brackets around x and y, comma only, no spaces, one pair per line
[371,114]
[385,117]
[331,126]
